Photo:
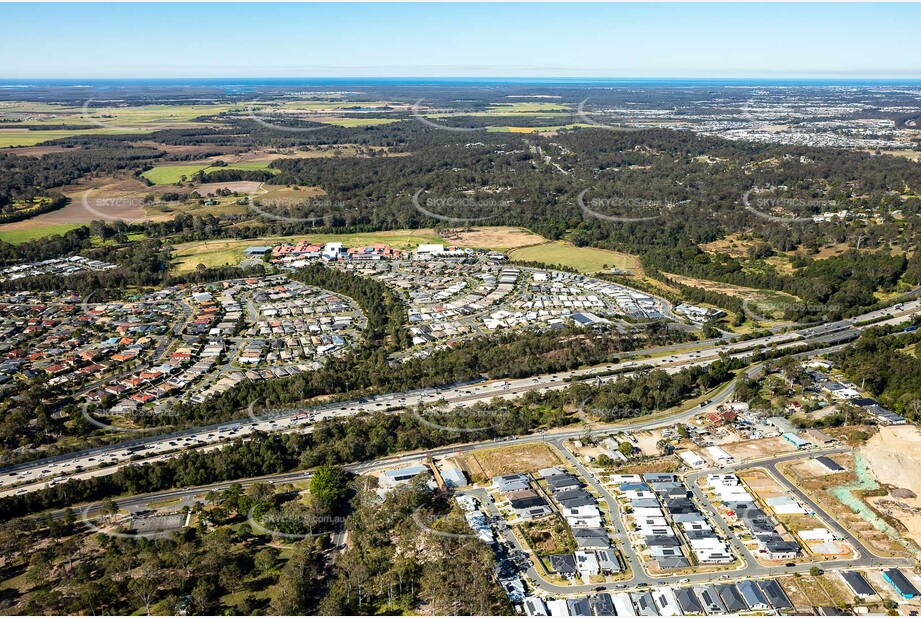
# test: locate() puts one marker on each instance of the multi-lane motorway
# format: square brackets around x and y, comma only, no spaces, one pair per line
[35,475]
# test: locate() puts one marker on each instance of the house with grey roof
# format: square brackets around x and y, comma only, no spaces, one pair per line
[753,596]
[673,563]
[578,607]
[563,564]
[602,605]
[775,594]
[644,604]
[688,601]
[710,599]
[591,538]
[658,477]
[511,482]
[858,584]
[607,561]
[731,598]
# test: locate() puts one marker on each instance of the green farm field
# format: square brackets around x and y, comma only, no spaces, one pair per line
[25,137]
[19,236]
[171,174]
[114,120]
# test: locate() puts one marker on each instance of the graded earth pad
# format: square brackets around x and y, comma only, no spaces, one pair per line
[893,455]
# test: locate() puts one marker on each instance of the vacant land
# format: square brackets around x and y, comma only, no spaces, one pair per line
[759,296]
[352,122]
[821,488]
[891,453]
[583,259]
[171,174]
[25,234]
[495,238]
[286,195]
[549,536]
[758,449]
[75,213]
[518,459]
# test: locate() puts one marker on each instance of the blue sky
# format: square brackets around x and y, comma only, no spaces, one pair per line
[452,40]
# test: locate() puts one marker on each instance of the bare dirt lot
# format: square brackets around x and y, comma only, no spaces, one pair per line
[245,187]
[757,449]
[807,591]
[518,459]
[893,454]
[499,238]
[107,195]
[819,489]
[285,195]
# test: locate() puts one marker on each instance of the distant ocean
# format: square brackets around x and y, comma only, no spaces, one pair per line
[227,83]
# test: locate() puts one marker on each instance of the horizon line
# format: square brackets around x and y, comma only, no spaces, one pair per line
[886,77]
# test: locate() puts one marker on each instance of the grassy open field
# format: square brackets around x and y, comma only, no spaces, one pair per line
[116,120]
[171,174]
[18,236]
[25,137]
[583,259]
[34,112]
